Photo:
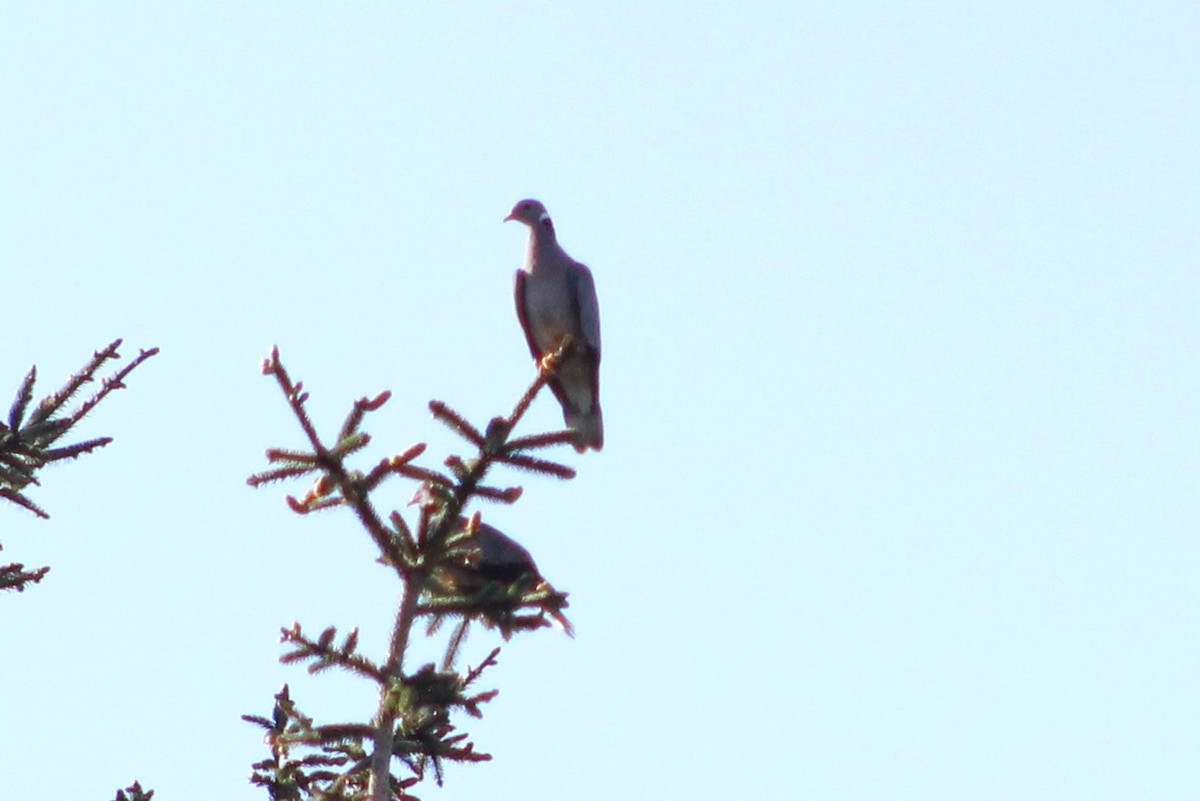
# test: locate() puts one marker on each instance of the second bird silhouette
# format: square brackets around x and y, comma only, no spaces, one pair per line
[556,297]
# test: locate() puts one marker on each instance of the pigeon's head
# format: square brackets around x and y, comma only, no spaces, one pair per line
[531,212]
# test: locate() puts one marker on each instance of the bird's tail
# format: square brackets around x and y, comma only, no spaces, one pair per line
[588,427]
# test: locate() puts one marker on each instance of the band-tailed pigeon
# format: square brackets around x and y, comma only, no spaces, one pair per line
[556,297]
[500,560]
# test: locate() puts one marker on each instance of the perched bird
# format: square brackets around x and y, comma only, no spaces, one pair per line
[556,297]
[501,558]
[497,560]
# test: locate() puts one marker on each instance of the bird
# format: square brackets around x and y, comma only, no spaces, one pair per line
[496,560]
[556,298]
[501,558]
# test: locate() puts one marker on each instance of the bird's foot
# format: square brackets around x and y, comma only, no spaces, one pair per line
[549,362]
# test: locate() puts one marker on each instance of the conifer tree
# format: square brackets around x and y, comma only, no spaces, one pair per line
[30,440]
[452,568]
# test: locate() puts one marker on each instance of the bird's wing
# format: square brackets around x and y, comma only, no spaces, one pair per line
[584,297]
[519,296]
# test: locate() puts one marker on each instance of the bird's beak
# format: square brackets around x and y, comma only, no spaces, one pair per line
[509,217]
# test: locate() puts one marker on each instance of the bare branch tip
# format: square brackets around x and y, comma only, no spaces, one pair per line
[270,365]
[407,456]
[371,404]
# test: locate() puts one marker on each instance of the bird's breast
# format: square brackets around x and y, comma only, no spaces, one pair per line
[549,311]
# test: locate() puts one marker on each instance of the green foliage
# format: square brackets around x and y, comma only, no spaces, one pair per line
[452,567]
[30,440]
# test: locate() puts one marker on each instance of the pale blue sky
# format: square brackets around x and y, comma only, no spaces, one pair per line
[899,492]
